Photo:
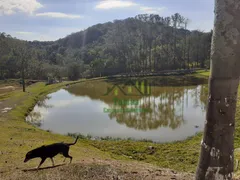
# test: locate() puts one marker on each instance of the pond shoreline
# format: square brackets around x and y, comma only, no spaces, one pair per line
[180,156]
[176,110]
[118,139]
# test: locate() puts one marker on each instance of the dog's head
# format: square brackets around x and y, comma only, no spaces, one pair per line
[33,154]
[29,156]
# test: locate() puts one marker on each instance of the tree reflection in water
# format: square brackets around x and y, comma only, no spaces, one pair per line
[166,102]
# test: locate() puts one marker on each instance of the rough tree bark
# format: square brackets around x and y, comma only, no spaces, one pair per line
[217,149]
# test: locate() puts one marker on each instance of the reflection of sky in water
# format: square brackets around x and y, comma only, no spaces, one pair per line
[80,114]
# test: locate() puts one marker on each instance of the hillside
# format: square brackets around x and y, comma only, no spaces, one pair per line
[145,43]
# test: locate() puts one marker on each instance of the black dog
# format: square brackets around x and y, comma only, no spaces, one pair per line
[49,151]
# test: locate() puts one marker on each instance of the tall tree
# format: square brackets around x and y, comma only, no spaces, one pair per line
[216,159]
[22,53]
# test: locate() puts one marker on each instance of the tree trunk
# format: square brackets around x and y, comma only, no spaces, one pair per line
[1,73]
[198,41]
[155,55]
[168,61]
[185,45]
[150,56]
[23,80]
[188,58]
[217,150]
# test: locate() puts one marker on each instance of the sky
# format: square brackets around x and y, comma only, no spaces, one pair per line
[48,20]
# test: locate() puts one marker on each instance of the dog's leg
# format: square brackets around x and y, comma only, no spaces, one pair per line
[70,159]
[66,155]
[52,161]
[42,161]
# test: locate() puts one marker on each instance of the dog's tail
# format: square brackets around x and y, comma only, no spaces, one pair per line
[69,144]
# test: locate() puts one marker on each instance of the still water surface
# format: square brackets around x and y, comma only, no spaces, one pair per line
[157,109]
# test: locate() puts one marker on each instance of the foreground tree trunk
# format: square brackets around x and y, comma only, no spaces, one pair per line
[217,150]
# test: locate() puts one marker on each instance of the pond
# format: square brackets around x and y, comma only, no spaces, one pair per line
[161,109]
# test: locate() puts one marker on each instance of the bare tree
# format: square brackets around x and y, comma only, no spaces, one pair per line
[217,150]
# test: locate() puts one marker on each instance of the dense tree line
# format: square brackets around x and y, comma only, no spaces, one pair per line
[145,43]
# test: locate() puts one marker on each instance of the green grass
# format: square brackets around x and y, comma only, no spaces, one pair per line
[17,137]
[182,156]
[205,73]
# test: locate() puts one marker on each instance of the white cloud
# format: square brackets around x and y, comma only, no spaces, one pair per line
[8,7]
[110,4]
[152,10]
[59,15]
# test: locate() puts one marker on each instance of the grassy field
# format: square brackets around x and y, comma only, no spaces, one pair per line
[17,137]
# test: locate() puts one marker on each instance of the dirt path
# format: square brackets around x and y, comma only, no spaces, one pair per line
[97,169]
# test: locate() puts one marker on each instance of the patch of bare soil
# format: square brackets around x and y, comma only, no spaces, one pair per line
[7,89]
[98,170]
[8,104]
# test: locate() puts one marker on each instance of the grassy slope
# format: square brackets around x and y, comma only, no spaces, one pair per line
[17,137]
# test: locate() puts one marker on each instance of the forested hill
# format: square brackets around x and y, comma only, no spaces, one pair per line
[145,43]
